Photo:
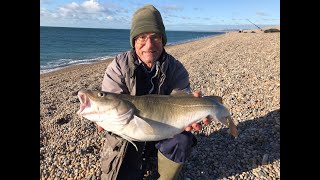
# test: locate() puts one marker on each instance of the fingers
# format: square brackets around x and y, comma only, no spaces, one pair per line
[99,128]
[197,94]
[196,126]
[206,121]
[189,128]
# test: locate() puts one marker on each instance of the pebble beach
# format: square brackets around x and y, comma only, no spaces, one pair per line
[243,68]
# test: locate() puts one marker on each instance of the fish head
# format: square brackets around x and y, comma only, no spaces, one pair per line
[98,105]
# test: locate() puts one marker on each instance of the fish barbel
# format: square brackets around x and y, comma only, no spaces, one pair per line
[150,117]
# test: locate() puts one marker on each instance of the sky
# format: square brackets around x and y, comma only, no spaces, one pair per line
[194,15]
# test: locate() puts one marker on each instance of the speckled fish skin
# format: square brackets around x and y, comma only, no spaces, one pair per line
[149,117]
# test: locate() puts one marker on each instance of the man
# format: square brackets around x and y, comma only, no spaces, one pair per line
[146,69]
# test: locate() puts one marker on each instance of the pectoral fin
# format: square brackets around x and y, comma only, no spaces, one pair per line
[143,125]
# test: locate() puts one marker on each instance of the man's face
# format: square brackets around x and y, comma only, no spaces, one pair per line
[148,47]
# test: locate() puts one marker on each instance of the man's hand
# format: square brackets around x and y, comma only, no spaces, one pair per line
[99,128]
[197,126]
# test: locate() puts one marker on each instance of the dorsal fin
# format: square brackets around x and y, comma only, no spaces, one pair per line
[177,92]
[216,98]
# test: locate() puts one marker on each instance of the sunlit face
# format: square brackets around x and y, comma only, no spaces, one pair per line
[148,47]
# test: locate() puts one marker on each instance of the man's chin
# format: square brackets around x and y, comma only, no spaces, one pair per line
[151,58]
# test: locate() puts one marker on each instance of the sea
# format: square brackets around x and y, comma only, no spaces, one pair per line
[63,46]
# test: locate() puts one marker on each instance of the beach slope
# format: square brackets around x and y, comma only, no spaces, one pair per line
[242,68]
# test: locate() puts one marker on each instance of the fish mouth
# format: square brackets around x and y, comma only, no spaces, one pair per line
[84,102]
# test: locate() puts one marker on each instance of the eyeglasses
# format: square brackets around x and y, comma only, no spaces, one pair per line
[142,39]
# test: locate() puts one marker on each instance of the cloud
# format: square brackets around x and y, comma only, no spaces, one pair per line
[47,13]
[197,9]
[89,10]
[45,1]
[92,5]
[262,14]
[273,20]
[73,8]
[167,9]
[109,17]
[172,7]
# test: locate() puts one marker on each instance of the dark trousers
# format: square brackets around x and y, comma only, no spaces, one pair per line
[177,149]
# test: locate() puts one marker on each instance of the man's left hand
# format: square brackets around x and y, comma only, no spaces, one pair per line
[197,126]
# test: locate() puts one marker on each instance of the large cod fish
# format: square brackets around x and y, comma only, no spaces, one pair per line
[150,117]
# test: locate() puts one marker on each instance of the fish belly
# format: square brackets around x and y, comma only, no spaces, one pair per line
[159,129]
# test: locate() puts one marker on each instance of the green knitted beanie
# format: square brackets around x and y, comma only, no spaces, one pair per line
[147,19]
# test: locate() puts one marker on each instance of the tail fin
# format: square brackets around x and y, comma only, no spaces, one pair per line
[233,128]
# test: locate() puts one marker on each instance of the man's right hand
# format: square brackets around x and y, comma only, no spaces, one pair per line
[99,128]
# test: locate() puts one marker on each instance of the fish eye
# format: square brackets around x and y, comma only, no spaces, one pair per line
[101,94]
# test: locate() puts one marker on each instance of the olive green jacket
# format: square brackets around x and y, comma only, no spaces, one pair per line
[120,75]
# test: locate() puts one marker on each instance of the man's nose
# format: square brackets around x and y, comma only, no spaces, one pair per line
[150,42]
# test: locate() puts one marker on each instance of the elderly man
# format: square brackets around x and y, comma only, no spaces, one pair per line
[146,69]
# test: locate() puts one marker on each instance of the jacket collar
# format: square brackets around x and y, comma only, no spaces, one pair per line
[134,62]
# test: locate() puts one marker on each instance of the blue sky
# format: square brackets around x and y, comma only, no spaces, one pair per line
[199,15]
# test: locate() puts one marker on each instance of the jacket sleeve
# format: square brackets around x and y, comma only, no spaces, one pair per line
[114,80]
[181,78]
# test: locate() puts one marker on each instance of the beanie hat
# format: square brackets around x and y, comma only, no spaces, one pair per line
[147,19]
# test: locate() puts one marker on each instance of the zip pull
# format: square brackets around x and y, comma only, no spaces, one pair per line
[155,75]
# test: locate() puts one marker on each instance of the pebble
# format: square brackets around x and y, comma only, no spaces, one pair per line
[242,68]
